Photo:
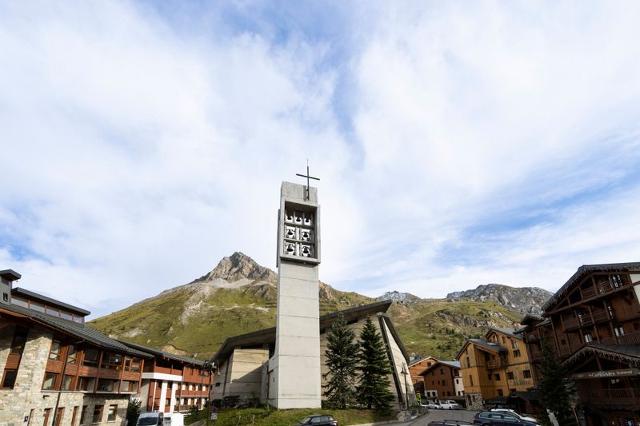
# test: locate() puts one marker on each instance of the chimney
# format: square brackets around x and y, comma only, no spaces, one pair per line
[7,277]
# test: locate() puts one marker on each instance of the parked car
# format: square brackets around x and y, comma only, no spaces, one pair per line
[449,405]
[319,420]
[449,423]
[150,419]
[489,418]
[432,405]
[515,413]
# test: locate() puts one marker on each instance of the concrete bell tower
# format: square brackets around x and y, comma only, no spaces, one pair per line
[295,376]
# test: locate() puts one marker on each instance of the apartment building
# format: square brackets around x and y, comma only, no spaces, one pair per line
[494,367]
[592,325]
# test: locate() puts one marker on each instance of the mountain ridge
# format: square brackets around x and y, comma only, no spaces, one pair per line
[238,296]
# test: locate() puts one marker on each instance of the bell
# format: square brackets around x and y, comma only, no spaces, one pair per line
[290,233]
[308,219]
[291,249]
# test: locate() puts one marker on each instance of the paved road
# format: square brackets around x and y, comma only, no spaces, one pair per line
[443,415]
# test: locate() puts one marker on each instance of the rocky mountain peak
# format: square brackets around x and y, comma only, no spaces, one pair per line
[399,297]
[240,266]
[526,300]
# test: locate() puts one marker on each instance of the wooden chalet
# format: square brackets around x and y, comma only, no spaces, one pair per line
[592,324]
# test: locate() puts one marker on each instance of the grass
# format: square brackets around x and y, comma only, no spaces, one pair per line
[264,417]
[430,327]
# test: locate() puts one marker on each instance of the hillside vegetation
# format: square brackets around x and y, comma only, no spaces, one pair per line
[239,296]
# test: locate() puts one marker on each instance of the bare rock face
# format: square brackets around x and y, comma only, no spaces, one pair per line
[526,300]
[239,266]
[399,297]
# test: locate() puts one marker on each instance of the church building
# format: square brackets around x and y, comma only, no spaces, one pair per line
[243,373]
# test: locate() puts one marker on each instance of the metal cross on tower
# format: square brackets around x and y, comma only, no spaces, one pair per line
[306,192]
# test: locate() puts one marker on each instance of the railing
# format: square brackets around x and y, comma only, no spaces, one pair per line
[623,396]
[588,293]
[493,364]
[520,382]
[627,339]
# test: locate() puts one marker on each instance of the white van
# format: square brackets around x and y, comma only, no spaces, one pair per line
[150,419]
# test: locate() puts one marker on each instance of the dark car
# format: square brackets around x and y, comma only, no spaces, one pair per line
[319,420]
[449,423]
[487,418]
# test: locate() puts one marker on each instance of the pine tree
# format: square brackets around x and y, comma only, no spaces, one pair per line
[342,361]
[556,390]
[373,384]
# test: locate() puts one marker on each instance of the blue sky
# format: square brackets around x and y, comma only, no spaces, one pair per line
[458,143]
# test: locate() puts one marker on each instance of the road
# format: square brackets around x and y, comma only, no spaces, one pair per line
[443,415]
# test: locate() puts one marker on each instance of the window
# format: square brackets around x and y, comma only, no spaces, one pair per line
[526,374]
[471,379]
[468,362]
[36,306]
[500,393]
[619,331]
[111,414]
[19,340]
[74,416]
[68,383]
[66,315]
[9,379]
[106,385]
[514,344]
[442,371]
[616,281]
[49,380]
[516,353]
[54,353]
[91,358]
[97,414]
[129,386]
[132,364]
[510,375]
[47,414]
[83,414]
[111,361]
[20,302]
[497,376]
[59,416]
[87,384]
[588,338]
[72,354]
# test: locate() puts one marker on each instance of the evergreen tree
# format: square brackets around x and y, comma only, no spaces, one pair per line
[556,390]
[342,361]
[373,384]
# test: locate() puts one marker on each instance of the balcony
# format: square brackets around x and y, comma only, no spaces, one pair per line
[494,364]
[613,397]
[627,339]
[520,382]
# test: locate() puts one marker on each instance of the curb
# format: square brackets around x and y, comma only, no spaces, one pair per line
[393,422]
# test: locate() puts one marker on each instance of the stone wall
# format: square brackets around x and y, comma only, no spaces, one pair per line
[26,402]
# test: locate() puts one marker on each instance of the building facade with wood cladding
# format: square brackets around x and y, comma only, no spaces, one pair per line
[442,381]
[173,383]
[495,368]
[55,370]
[592,324]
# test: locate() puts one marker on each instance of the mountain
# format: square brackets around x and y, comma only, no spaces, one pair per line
[525,300]
[239,296]
[399,297]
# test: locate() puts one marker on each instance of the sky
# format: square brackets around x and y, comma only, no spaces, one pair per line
[458,143]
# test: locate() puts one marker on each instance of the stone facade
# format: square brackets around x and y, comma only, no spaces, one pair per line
[27,403]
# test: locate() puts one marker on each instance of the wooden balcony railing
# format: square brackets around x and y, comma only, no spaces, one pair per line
[617,397]
[494,363]
[627,339]
[588,293]
[520,382]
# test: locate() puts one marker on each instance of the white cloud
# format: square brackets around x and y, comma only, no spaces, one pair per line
[139,154]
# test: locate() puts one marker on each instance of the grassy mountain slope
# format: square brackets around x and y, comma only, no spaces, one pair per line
[239,296]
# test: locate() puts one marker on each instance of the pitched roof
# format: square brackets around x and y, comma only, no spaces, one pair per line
[268,335]
[452,364]
[423,359]
[483,343]
[163,354]
[628,353]
[85,333]
[508,331]
[586,269]
[49,300]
